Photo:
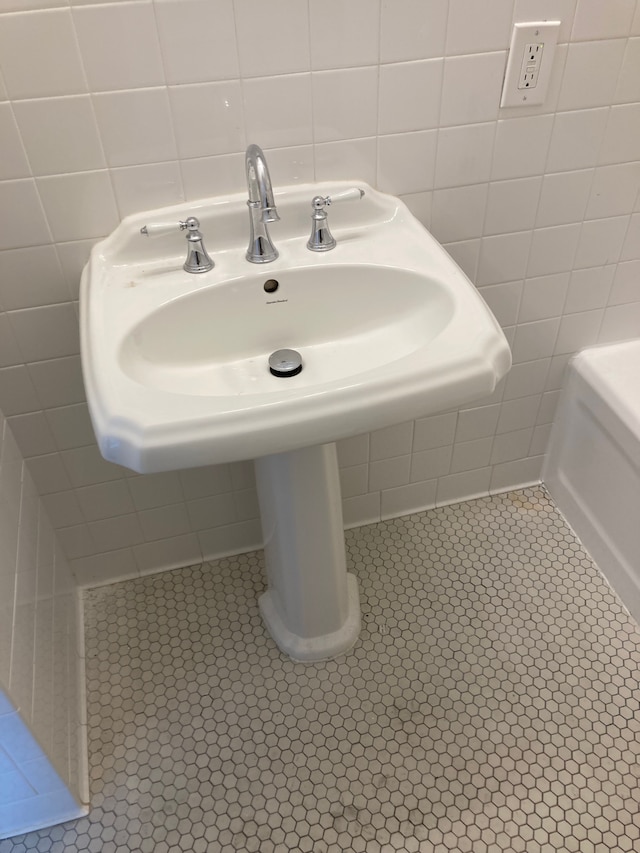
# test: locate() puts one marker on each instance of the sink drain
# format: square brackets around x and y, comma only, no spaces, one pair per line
[285,362]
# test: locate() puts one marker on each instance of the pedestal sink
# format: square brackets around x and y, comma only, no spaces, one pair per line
[176,369]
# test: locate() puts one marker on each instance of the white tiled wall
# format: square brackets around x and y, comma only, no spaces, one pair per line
[111,108]
[42,725]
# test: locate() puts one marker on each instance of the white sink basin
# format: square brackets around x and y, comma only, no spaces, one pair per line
[176,364]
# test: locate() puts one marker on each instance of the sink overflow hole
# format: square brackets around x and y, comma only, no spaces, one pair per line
[271,285]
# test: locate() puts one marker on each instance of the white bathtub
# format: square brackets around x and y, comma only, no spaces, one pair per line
[592,469]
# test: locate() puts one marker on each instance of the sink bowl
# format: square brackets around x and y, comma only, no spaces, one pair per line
[176,365]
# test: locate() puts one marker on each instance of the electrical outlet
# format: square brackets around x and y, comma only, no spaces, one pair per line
[529,64]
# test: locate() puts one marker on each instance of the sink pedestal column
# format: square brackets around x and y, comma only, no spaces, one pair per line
[311,607]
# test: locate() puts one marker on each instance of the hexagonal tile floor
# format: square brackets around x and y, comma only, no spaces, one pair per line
[491,703]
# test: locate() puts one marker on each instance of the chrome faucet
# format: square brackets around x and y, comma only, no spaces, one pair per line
[262,207]
[198,259]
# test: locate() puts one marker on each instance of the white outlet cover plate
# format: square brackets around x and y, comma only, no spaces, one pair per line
[524,34]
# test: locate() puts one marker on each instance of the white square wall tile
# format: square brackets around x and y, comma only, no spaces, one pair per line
[345,103]
[86,466]
[103,568]
[503,300]
[201,53]
[278,110]
[595,19]
[458,213]
[578,330]
[291,164]
[626,283]
[614,190]
[601,241]
[31,277]
[49,473]
[58,382]
[553,249]
[430,464]
[407,499]
[620,322]
[590,288]
[477,423]
[207,118]
[175,552]
[135,127]
[526,379]
[591,74]
[150,185]
[512,205]
[105,500]
[521,146]
[122,531]
[564,197]
[354,480]
[40,54]
[464,155]
[535,340]
[14,163]
[273,38]
[575,140]
[48,331]
[406,162]
[32,434]
[392,441]
[353,451]
[60,134]
[412,29]
[518,414]
[631,246]
[474,27]
[622,130]
[468,455]
[344,34]
[510,446]
[628,86]
[132,28]
[388,473]
[206,176]
[466,253]
[151,490]
[401,111]
[471,88]
[503,258]
[17,393]
[22,215]
[164,522]
[543,297]
[348,159]
[463,486]
[9,353]
[79,205]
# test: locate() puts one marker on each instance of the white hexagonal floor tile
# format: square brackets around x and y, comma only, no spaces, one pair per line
[491,703]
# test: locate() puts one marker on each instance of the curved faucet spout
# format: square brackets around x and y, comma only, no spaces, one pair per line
[262,207]
[259,183]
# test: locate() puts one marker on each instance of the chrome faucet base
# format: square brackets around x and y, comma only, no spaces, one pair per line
[321,239]
[261,249]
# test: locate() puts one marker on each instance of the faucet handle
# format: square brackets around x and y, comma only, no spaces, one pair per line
[159,229]
[354,194]
[198,259]
[321,239]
